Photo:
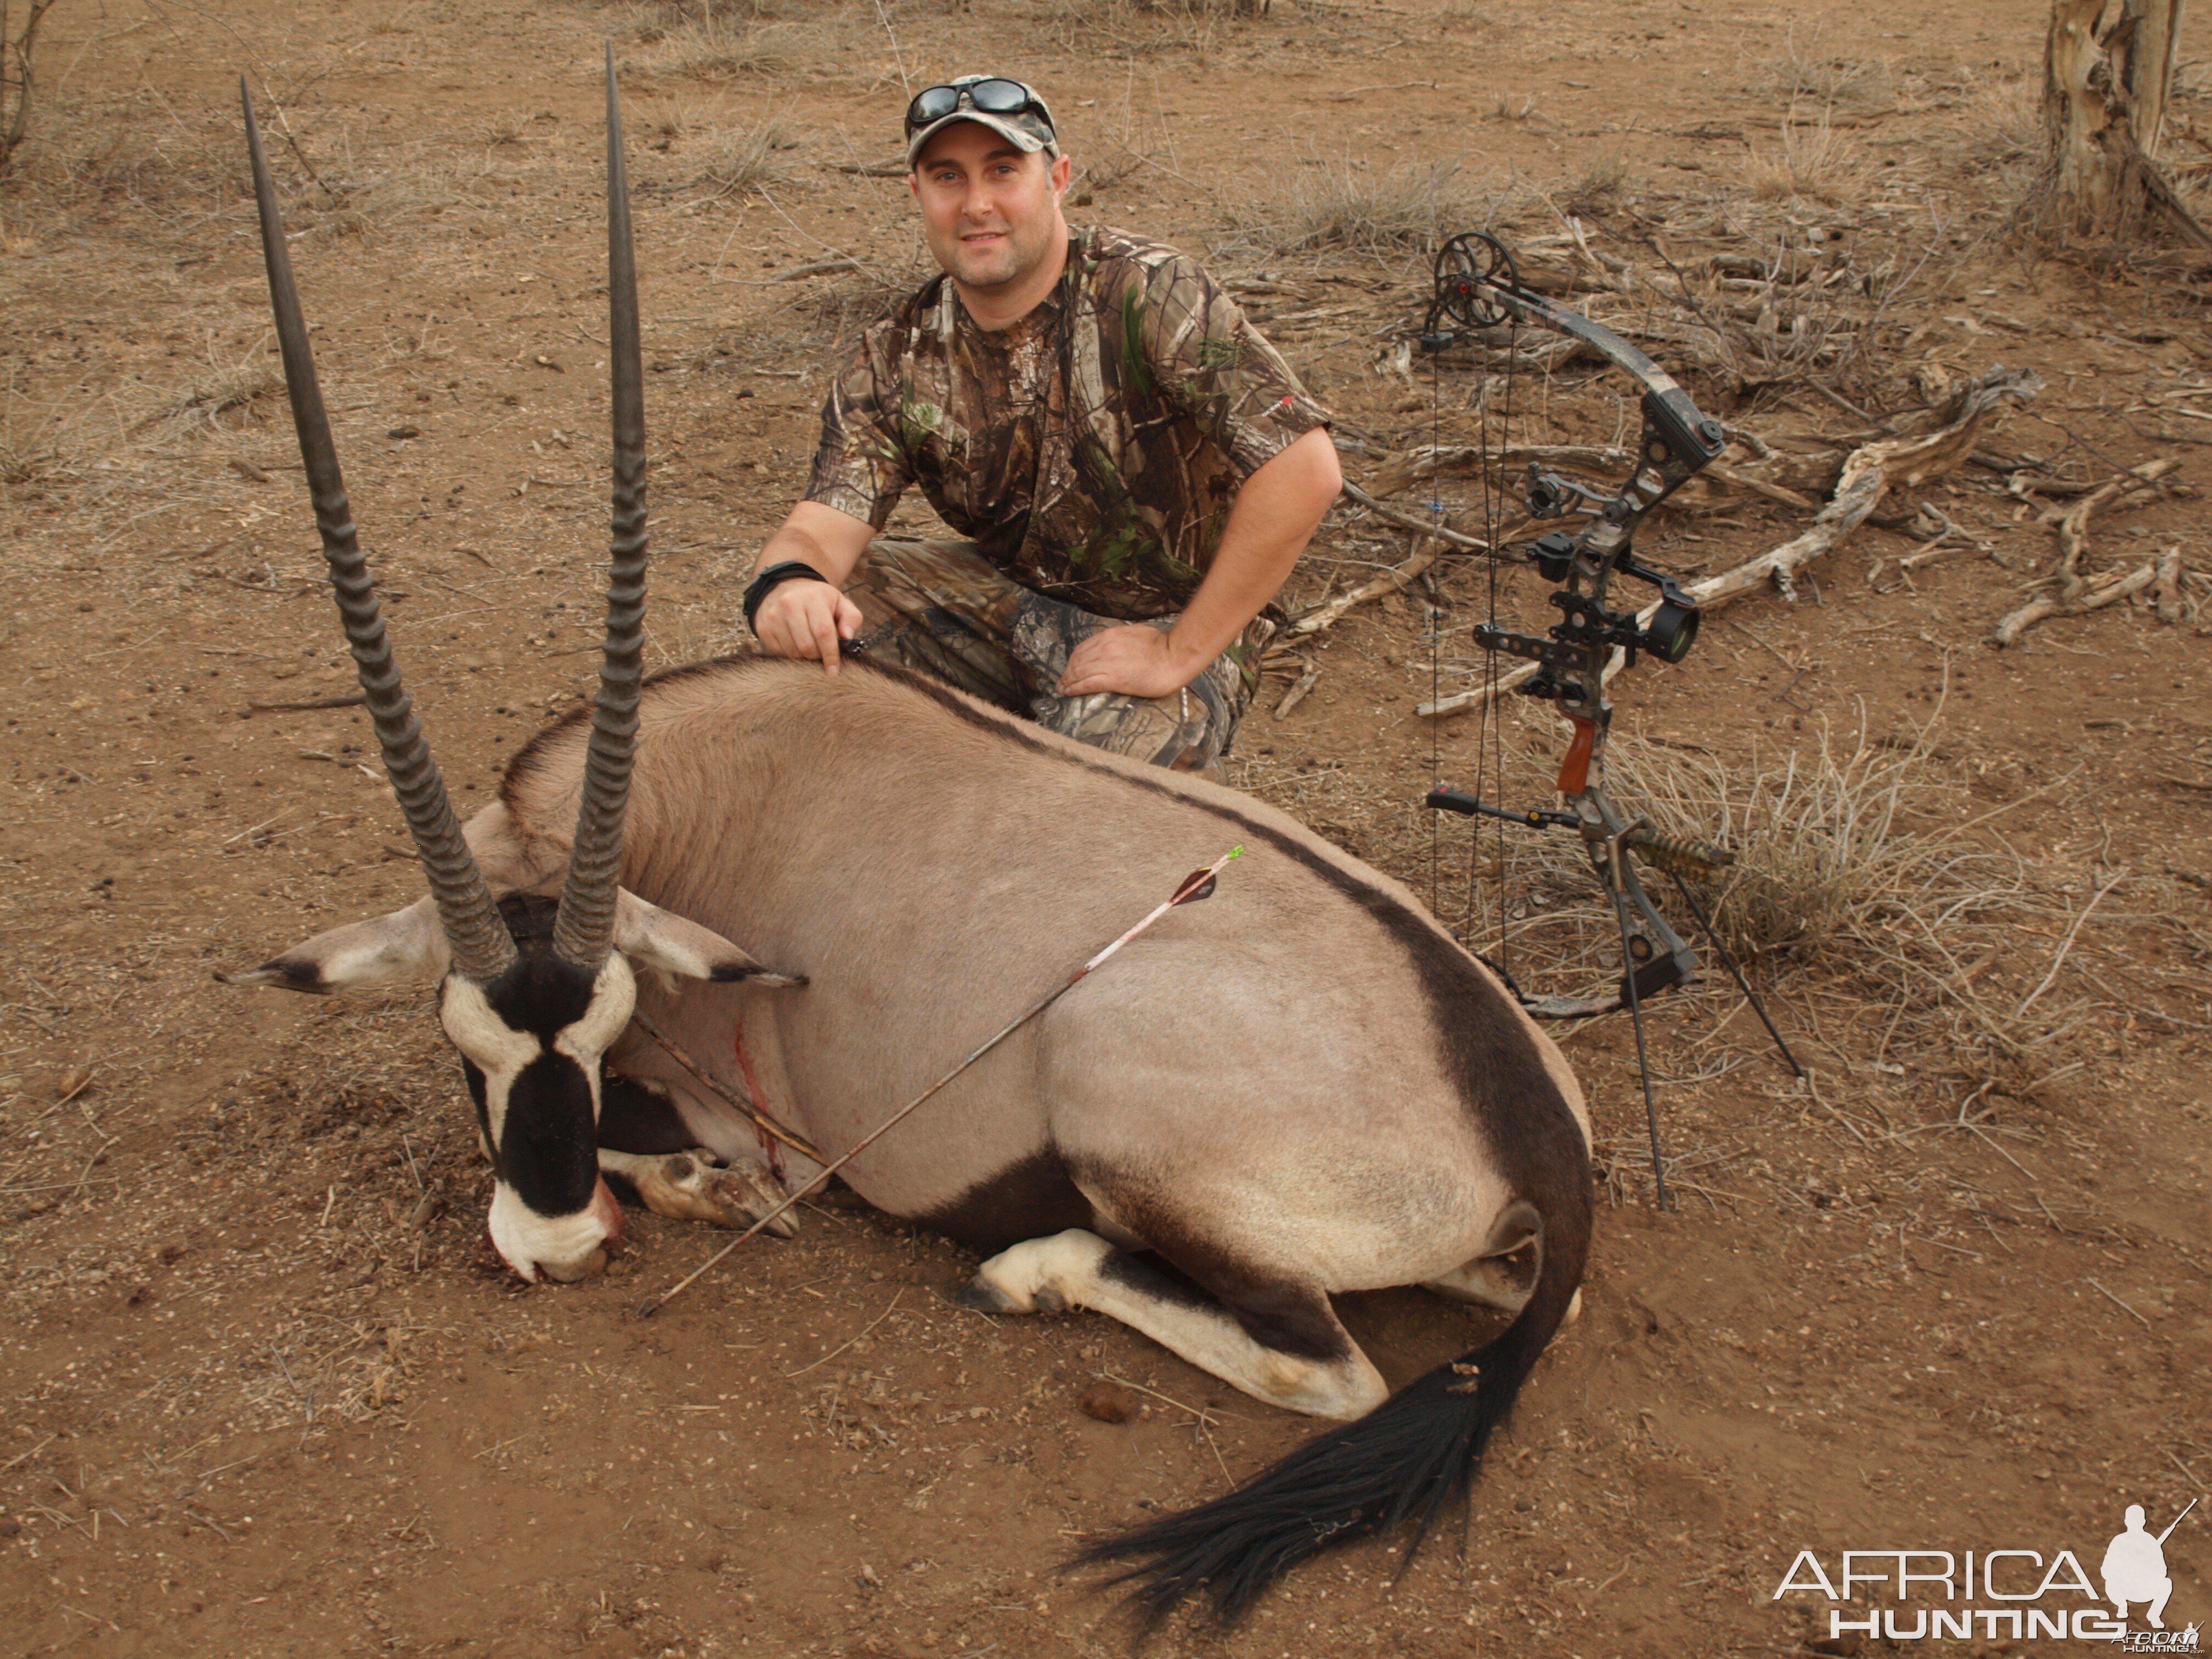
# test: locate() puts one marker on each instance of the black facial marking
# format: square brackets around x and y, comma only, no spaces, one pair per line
[529,918]
[637,1117]
[1030,1198]
[550,1148]
[548,1145]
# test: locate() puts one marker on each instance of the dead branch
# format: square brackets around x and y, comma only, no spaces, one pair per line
[1758,486]
[22,47]
[1389,581]
[1408,521]
[1398,471]
[1296,694]
[2162,575]
[2166,591]
[1870,473]
[2074,523]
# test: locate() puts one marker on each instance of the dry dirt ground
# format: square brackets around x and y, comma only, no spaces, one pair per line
[266,1395]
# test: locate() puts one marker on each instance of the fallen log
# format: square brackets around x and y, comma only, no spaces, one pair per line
[1872,471]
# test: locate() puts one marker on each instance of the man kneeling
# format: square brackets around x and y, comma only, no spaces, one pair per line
[1135,469]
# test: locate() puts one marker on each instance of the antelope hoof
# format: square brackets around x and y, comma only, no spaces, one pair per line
[983,1297]
[693,1186]
[1039,1275]
[735,1195]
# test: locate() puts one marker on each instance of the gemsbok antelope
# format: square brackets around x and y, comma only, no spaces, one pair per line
[1302,1086]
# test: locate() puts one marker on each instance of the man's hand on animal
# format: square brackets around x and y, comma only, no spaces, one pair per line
[1130,470]
[810,617]
[1274,518]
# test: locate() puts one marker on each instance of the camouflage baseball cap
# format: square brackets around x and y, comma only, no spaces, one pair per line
[1013,109]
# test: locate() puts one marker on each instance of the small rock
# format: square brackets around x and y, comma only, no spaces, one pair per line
[403,432]
[1107,1402]
[74,1081]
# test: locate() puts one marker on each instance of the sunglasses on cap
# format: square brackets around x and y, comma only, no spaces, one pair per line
[993,96]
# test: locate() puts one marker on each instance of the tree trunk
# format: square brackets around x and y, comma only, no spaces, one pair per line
[2107,70]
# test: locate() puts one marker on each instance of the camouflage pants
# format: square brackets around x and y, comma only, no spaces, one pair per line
[940,607]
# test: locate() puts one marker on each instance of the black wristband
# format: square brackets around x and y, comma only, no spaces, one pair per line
[791,570]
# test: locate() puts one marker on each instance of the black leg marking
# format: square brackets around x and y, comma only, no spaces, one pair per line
[1030,1198]
[625,1194]
[637,1117]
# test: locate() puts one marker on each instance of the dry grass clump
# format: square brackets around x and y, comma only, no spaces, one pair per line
[840,302]
[2004,124]
[1816,162]
[1139,27]
[717,46]
[1806,70]
[214,392]
[748,158]
[1824,849]
[1345,205]
[1855,860]
[1594,187]
[1109,12]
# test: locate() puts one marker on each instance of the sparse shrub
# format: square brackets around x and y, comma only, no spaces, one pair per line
[1806,69]
[748,158]
[1347,205]
[214,392]
[716,48]
[841,303]
[1853,865]
[19,53]
[1594,187]
[1818,162]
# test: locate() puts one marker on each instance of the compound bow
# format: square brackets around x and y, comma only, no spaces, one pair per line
[1479,288]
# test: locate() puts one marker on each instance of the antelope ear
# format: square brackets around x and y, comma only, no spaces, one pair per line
[663,940]
[408,943]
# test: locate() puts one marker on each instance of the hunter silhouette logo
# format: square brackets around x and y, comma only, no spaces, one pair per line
[2135,1567]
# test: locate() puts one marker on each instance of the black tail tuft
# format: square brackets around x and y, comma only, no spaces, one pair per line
[1410,1460]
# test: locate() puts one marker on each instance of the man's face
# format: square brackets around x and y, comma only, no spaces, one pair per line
[990,210]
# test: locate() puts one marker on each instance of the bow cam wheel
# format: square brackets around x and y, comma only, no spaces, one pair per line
[1470,269]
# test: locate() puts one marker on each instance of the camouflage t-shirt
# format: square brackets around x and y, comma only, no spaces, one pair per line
[1092,450]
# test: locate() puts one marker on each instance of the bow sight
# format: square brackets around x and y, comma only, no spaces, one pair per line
[1478,292]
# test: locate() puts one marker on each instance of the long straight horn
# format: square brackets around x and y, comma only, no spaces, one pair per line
[482,947]
[583,932]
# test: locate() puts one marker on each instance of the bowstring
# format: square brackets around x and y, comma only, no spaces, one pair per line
[1497,526]
[1435,614]
[1489,742]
